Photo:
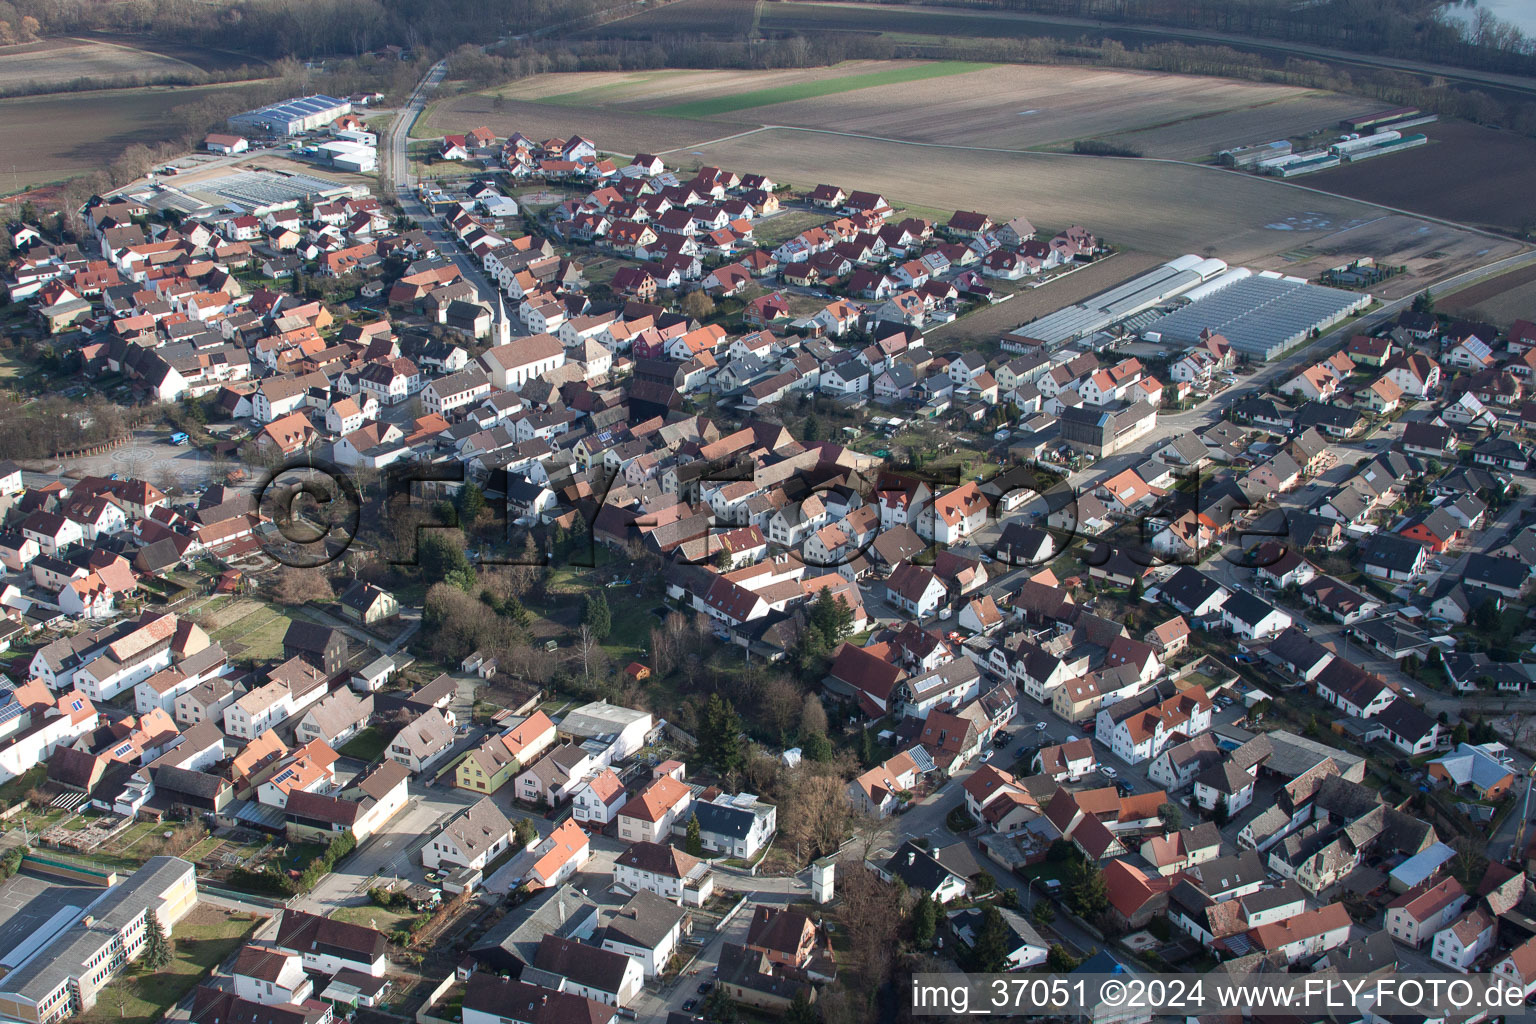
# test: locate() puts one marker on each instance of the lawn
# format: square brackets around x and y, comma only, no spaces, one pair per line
[367,745]
[257,635]
[371,916]
[731,102]
[780,227]
[203,939]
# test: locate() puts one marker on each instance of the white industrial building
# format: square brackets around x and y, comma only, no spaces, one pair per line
[293,117]
[348,156]
[1137,295]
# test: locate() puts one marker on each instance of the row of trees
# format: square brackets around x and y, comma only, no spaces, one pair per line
[825,48]
[53,424]
[279,28]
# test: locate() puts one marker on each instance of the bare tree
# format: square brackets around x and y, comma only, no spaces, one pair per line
[813,717]
[778,701]
[871,915]
[815,812]
[296,586]
[589,650]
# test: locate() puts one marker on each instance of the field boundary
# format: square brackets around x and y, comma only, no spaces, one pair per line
[733,102]
[1483,232]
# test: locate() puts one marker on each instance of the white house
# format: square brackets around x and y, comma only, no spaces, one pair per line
[1459,944]
[598,799]
[269,976]
[474,838]
[329,946]
[647,929]
[666,871]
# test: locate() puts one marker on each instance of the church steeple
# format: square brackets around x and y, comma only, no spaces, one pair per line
[503,325]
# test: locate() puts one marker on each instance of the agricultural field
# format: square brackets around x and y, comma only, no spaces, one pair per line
[1303,114]
[734,19]
[60,61]
[1165,209]
[58,136]
[1501,299]
[614,131]
[1019,107]
[1469,174]
[717,18]
[1010,107]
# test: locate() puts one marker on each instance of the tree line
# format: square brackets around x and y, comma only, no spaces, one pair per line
[283,28]
[796,51]
[1408,29]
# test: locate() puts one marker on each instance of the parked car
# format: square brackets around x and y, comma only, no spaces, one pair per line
[1039,727]
[1108,771]
[705,986]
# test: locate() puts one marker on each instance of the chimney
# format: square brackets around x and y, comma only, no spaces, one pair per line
[911,858]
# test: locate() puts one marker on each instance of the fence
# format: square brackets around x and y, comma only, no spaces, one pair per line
[54,864]
[422,1016]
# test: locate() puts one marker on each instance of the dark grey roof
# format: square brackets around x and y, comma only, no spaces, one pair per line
[645,920]
[1224,874]
[1406,720]
[514,941]
[1246,608]
[600,969]
[918,868]
[192,783]
[724,820]
[310,637]
[1497,572]
[1397,554]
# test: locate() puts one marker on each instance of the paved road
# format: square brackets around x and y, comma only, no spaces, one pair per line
[398,168]
[389,853]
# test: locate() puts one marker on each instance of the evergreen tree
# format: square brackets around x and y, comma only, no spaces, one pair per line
[1042,913]
[1088,893]
[989,953]
[720,735]
[924,919]
[801,1011]
[158,952]
[441,554]
[1058,959]
[524,831]
[867,752]
[695,838]
[514,610]
[596,615]
[471,503]
[1424,302]
[817,747]
[812,428]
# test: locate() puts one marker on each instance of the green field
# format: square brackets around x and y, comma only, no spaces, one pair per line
[732,102]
